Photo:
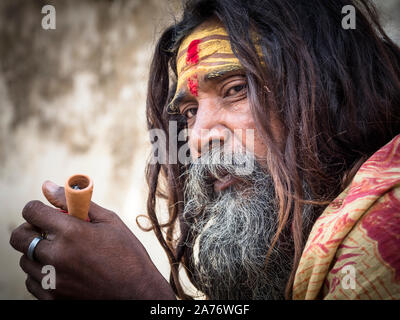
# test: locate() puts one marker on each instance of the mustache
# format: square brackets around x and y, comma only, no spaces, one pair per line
[219,162]
[217,165]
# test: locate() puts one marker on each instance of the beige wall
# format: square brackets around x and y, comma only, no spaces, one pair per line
[72,100]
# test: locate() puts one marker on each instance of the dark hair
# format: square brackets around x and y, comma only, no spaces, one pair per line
[336,93]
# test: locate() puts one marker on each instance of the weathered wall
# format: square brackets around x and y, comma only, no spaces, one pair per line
[390,16]
[72,100]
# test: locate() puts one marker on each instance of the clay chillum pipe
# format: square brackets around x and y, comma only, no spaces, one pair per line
[78,193]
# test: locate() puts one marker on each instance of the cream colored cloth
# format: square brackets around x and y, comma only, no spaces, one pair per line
[353,250]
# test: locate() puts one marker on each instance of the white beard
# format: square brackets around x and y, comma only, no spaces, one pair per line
[232,232]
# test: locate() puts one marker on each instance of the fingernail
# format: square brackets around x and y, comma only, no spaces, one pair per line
[51,186]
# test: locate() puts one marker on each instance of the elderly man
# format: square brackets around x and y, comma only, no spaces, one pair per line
[312,106]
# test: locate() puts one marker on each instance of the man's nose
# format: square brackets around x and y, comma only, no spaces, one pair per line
[209,131]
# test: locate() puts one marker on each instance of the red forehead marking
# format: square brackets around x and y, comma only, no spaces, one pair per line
[192,55]
[193,84]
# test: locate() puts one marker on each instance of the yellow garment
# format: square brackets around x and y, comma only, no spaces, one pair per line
[353,250]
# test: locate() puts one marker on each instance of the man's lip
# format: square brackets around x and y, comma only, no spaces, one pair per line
[225,182]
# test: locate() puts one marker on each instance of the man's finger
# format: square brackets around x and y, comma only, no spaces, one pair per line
[55,194]
[22,237]
[35,288]
[44,217]
[99,214]
[32,268]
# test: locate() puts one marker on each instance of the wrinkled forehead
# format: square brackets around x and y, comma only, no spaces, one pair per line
[206,51]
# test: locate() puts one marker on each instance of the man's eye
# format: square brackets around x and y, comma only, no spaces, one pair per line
[190,113]
[235,90]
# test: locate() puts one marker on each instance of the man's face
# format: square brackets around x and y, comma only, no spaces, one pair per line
[212,94]
[232,217]
[220,109]
[220,115]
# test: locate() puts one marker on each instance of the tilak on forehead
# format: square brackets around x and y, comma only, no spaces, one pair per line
[206,51]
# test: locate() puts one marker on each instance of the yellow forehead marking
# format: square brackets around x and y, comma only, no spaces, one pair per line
[206,50]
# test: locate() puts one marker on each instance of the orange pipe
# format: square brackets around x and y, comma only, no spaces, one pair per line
[78,193]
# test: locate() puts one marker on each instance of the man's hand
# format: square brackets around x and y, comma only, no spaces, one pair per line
[100,259]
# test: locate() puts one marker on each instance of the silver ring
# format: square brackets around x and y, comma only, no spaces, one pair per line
[32,246]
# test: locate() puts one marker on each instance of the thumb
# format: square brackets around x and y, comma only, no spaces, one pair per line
[54,194]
